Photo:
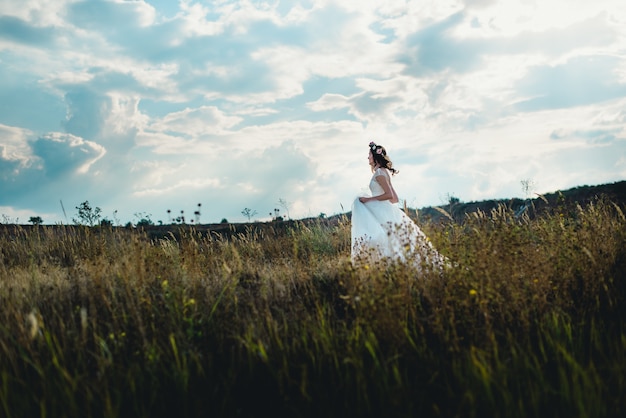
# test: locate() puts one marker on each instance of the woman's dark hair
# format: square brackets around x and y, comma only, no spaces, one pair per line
[380,157]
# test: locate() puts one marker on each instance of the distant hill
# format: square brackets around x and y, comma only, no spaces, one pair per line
[583,195]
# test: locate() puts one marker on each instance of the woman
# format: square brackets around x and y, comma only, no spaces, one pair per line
[381,231]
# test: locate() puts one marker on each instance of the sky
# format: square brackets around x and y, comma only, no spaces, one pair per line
[140,107]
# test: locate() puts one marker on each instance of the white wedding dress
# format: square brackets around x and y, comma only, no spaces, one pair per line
[383,233]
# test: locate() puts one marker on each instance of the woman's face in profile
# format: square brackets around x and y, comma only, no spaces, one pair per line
[370,158]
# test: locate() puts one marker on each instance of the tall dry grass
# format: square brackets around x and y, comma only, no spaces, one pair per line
[527,321]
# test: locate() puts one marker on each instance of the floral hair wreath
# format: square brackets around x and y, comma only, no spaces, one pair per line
[374,147]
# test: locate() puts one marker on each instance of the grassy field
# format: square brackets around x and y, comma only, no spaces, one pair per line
[110,322]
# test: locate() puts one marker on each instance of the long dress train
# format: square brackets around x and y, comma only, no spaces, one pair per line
[383,233]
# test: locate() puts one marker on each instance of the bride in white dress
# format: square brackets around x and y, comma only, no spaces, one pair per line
[381,231]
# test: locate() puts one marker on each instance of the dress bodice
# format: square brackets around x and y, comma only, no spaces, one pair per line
[375,188]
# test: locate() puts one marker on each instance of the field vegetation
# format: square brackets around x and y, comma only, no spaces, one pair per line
[528,320]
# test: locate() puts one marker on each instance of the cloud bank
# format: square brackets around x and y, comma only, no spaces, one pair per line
[149,106]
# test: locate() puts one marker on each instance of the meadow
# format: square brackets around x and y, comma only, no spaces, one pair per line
[529,320]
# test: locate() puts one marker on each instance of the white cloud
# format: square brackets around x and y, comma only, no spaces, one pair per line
[14,144]
[181,186]
[66,153]
[40,12]
[197,122]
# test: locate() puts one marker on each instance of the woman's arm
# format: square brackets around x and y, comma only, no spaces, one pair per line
[389,192]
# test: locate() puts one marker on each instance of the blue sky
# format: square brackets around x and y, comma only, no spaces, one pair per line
[144,106]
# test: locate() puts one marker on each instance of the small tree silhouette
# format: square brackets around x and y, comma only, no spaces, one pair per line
[87,215]
[145,219]
[35,220]
[248,213]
